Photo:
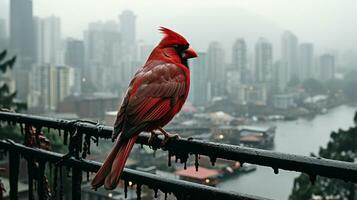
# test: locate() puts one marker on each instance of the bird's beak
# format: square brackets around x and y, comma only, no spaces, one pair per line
[189,53]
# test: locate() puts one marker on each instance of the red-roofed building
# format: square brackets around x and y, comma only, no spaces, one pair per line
[202,176]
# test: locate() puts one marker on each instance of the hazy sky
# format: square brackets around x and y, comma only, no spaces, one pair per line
[330,24]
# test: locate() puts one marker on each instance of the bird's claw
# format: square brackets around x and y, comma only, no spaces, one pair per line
[152,139]
[169,137]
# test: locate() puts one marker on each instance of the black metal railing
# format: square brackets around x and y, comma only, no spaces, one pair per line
[181,189]
[79,132]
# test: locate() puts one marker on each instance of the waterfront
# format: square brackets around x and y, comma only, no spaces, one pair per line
[301,137]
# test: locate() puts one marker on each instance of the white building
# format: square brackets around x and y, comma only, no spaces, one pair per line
[48,40]
[263,61]
[327,67]
[50,85]
[239,59]
[128,27]
[289,57]
[216,68]
[306,61]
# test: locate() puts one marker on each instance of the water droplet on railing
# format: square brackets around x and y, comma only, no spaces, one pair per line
[22,128]
[125,188]
[155,192]
[165,196]
[138,191]
[169,158]
[196,162]
[213,160]
[276,170]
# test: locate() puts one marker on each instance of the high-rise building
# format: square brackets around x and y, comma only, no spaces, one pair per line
[53,84]
[306,61]
[2,28]
[103,55]
[216,69]
[48,40]
[74,54]
[128,27]
[263,61]
[22,32]
[200,93]
[3,37]
[239,59]
[327,67]
[289,56]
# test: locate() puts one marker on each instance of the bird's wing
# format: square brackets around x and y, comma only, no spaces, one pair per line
[153,92]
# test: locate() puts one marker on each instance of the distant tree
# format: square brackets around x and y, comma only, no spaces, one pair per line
[6,97]
[342,146]
[349,88]
[313,87]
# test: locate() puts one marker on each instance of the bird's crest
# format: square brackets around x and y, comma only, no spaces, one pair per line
[171,37]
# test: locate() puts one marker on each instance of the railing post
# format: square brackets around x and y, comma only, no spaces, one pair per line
[30,174]
[14,160]
[76,183]
[40,180]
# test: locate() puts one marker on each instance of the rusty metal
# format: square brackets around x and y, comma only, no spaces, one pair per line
[184,189]
[181,148]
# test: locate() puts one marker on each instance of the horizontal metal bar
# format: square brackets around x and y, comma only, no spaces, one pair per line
[310,165]
[179,188]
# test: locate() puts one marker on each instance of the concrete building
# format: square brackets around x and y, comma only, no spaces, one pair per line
[263,61]
[74,54]
[48,40]
[50,85]
[239,59]
[216,69]
[327,67]
[103,56]
[128,27]
[22,32]
[199,92]
[306,61]
[3,34]
[289,57]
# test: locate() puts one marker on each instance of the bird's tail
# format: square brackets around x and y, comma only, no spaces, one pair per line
[112,168]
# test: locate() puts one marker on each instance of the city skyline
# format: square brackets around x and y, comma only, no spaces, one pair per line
[251,20]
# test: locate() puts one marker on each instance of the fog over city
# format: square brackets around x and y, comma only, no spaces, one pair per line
[329,24]
[277,75]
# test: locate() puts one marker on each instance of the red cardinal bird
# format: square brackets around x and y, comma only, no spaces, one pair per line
[155,94]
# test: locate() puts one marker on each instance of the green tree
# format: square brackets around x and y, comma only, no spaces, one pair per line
[342,146]
[7,98]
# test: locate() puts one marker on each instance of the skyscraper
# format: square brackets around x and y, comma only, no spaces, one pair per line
[199,94]
[2,33]
[128,27]
[289,56]
[327,67]
[74,55]
[239,59]
[306,61]
[22,32]
[216,69]
[48,40]
[263,61]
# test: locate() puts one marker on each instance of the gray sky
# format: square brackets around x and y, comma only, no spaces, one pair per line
[330,24]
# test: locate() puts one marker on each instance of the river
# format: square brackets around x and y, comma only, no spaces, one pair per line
[301,137]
